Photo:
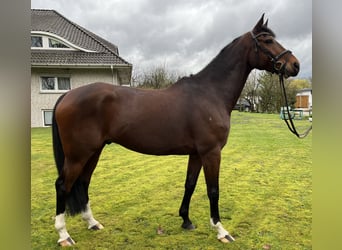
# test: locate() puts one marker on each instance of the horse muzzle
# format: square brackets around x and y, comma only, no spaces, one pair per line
[287,69]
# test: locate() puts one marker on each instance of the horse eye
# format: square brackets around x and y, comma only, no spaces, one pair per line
[269,41]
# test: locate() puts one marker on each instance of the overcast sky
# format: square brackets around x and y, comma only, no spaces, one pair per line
[185,35]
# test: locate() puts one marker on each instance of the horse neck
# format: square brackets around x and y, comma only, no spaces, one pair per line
[227,73]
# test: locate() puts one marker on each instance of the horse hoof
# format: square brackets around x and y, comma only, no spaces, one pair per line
[66,243]
[227,239]
[188,226]
[97,227]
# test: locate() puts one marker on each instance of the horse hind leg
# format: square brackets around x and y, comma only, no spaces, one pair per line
[69,194]
[60,225]
[87,214]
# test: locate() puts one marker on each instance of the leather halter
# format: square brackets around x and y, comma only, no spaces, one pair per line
[274,59]
[281,72]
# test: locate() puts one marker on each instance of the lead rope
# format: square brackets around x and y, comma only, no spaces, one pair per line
[290,124]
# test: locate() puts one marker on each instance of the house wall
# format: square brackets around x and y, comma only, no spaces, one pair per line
[78,77]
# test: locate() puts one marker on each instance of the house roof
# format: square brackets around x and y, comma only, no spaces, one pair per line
[73,58]
[304,90]
[93,51]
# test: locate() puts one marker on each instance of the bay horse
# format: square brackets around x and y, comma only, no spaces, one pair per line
[191,117]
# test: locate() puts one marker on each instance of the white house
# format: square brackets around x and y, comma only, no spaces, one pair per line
[64,56]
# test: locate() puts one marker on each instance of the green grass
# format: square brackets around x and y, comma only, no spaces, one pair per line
[265,194]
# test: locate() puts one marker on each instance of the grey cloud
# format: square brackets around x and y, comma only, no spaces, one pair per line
[186,35]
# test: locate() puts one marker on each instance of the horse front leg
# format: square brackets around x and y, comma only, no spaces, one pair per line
[211,164]
[194,168]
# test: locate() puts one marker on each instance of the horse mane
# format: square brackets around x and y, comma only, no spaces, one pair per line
[188,79]
[231,43]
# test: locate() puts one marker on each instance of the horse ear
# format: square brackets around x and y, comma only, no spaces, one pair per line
[259,24]
[266,23]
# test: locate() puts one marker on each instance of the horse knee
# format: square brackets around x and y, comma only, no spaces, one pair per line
[190,184]
[213,193]
[190,187]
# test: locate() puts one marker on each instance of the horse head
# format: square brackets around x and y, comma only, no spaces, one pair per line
[270,55]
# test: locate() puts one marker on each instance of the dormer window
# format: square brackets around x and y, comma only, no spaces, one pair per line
[46,42]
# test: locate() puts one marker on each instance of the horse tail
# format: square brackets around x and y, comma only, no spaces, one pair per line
[77,199]
[56,140]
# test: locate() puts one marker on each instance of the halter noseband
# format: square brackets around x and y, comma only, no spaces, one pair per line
[274,59]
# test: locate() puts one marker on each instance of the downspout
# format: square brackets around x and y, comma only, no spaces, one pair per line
[112,68]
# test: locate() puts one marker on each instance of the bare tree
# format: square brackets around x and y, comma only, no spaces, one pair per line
[250,91]
[156,78]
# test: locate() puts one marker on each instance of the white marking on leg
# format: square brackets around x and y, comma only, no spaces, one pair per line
[61,228]
[221,232]
[87,215]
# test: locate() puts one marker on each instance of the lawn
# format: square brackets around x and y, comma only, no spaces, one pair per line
[265,193]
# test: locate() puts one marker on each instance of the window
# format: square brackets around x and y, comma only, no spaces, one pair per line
[47,116]
[63,83]
[48,83]
[47,42]
[36,41]
[51,83]
[56,44]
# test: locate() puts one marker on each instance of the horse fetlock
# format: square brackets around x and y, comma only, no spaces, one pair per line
[60,222]
[188,225]
[222,234]
[87,215]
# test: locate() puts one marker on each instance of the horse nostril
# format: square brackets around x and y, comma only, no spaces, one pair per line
[296,66]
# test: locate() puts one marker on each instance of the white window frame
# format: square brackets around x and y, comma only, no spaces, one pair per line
[55,90]
[46,43]
[45,39]
[45,124]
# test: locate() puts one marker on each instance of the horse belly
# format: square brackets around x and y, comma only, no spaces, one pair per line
[156,138]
